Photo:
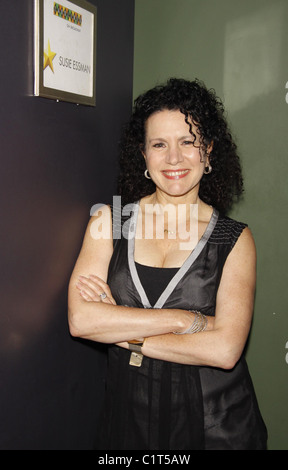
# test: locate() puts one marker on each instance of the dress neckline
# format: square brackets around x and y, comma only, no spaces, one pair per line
[146,266]
[181,271]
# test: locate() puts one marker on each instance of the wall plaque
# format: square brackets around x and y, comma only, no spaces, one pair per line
[65,50]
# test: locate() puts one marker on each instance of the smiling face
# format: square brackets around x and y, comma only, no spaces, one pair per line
[172,156]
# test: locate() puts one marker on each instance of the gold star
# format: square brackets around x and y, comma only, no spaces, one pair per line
[48,58]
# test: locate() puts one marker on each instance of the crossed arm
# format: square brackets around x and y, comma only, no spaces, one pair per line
[221,345]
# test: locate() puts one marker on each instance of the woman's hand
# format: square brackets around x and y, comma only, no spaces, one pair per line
[93,289]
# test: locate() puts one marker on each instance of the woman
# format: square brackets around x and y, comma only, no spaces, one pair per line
[173,295]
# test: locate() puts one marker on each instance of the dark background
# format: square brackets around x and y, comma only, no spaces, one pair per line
[57,160]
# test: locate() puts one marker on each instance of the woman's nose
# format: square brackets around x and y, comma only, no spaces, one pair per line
[174,155]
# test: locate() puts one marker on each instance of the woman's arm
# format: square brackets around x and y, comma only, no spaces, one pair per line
[104,321]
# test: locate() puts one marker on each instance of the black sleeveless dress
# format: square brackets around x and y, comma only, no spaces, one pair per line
[169,406]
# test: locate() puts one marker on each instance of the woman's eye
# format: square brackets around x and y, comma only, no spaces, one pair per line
[158,145]
[187,142]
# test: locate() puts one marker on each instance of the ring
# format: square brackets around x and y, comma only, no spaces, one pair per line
[103,296]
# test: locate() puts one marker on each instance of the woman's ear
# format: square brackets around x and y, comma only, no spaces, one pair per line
[208,167]
[210,147]
[208,151]
[142,150]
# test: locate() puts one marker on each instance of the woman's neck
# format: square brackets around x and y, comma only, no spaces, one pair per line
[181,207]
[162,198]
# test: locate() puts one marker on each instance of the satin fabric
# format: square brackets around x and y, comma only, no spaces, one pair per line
[164,405]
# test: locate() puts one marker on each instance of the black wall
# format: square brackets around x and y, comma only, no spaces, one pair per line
[57,160]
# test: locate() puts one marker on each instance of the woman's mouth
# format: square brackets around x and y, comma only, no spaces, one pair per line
[174,174]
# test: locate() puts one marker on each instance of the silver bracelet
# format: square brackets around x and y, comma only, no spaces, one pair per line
[199,324]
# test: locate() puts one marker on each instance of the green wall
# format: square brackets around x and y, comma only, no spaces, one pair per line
[241,50]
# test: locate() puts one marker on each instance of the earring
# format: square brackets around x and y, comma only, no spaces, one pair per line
[207,169]
[147,175]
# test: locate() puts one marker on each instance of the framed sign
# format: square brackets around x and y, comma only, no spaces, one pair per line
[65,50]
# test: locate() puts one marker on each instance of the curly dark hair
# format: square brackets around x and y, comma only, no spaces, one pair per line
[224,184]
